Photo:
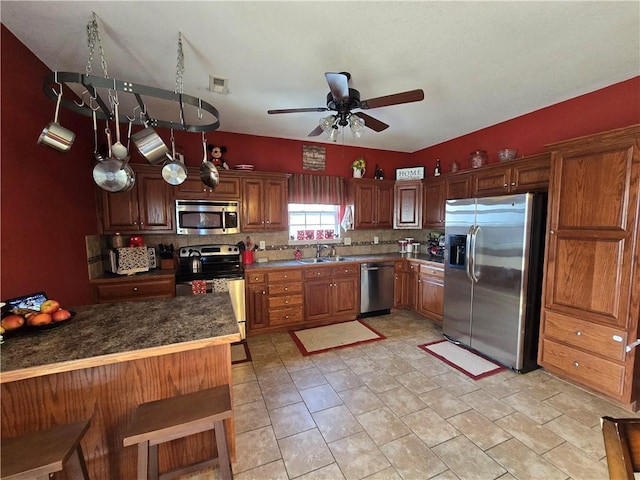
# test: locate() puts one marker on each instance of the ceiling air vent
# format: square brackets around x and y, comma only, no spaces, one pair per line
[218,85]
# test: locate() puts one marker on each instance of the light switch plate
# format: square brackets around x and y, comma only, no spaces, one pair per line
[263,245]
[376,240]
[347,240]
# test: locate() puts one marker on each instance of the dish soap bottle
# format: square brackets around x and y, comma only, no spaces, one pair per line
[436,172]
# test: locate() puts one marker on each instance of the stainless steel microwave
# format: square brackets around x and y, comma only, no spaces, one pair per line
[207,217]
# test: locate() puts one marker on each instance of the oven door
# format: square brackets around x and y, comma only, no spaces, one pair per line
[234,286]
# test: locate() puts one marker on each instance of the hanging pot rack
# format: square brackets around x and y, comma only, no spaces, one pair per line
[92,83]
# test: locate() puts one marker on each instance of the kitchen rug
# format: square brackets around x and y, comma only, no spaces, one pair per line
[462,359]
[320,339]
[240,352]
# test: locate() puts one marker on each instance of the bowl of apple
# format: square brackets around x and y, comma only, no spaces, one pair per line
[22,320]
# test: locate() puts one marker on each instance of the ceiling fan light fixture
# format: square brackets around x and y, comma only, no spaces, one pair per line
[327,122]
[333,136]
[357,126]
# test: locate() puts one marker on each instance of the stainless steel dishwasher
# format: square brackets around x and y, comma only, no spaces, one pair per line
[376,288]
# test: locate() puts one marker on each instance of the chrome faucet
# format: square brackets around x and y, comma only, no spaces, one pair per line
[319,249]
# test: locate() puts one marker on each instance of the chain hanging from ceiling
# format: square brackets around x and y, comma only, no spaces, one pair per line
[105,111]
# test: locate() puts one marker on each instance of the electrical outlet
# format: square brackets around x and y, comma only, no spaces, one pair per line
[376,240]
[263,245]
[347,240]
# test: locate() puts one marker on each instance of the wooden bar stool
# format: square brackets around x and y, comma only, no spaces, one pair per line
[36,455]
[177,417]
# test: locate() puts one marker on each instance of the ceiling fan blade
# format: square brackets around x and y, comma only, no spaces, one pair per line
[298,110]
[372,123]
[339,85]
[316,131]
[395,99]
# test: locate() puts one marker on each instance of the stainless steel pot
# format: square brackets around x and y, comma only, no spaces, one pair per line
[150,145]
[56,136]
[174,172]
[112,174]
[208,172]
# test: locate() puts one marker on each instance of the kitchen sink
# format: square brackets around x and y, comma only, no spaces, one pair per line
[311,261]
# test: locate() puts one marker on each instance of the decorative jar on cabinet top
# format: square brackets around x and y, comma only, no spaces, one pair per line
[478,158]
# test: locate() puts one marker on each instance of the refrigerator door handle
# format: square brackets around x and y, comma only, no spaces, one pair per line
[469,260]
[472,248]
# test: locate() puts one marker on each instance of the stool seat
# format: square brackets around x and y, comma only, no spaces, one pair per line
[176,417]
[36,455]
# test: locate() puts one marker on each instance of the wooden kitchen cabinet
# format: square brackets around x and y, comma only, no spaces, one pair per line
[274,299]
[400,284]
[372,202]
[413,270]
[264,202]
[193,189]
[147,207]
[434,202]
[591,289]
[135,287]
[407,204]
[457,186]
[517,176]
[332,292]
[430,291]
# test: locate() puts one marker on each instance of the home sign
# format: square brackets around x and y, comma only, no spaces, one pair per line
[412,173]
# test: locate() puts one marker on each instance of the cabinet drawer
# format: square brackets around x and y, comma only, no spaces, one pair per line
[285,301]
[595,372]
[254,277]
[284,275]
[318,272]
[432,271]
[284,288]
[345,270]
[586,335]
[130,291]
[282,316]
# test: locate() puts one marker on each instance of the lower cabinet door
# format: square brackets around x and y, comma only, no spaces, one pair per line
[256,303]
[317,299]
[346,294]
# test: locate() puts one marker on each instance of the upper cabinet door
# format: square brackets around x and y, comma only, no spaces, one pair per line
[593,228]
[407,204]
[434,203]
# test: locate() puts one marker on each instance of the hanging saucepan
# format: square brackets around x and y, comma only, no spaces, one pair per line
[150,145]
[54,135]
[110,174]
[208,172]
[174,172]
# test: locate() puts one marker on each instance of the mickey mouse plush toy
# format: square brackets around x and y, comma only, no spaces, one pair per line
[216,156]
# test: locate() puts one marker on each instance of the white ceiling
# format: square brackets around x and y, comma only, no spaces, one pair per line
[479,63]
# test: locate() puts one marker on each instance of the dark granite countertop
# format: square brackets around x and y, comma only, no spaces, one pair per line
[113,332]
[350,258]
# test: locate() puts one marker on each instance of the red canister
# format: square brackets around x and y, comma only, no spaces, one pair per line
[247,257]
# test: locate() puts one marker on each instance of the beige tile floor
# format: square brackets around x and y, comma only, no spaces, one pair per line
[388,410]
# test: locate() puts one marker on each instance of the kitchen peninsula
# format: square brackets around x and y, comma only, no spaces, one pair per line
[110,358]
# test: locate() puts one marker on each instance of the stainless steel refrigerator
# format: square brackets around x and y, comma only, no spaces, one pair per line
[493,276]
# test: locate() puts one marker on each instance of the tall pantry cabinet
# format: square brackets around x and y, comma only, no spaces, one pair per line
[591,293]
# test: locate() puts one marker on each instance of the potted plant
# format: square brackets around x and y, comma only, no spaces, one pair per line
[359,165]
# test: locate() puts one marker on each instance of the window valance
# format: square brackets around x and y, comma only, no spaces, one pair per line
[322,189]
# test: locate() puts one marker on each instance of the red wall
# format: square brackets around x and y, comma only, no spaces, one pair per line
[47,197]
[612,107]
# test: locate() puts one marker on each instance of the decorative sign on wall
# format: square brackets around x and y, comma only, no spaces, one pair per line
[313,158]
[412,173]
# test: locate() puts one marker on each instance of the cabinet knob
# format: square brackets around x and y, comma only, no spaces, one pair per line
[317,273]
[263,292]
[135,289]
[552,232]
[286,289]
[286,302]
[256,279]
[286,317]
[578,333]
[268,221]
[141,223]
[576,364]
[513,184]
[505,185]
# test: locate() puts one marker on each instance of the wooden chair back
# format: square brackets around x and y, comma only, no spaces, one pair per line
[622,446]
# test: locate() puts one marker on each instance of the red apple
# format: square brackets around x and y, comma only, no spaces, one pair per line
[39,319]
[49,306]
[61,315]
[11,322]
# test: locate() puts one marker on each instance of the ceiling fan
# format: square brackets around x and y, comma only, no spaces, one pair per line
[342,100]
